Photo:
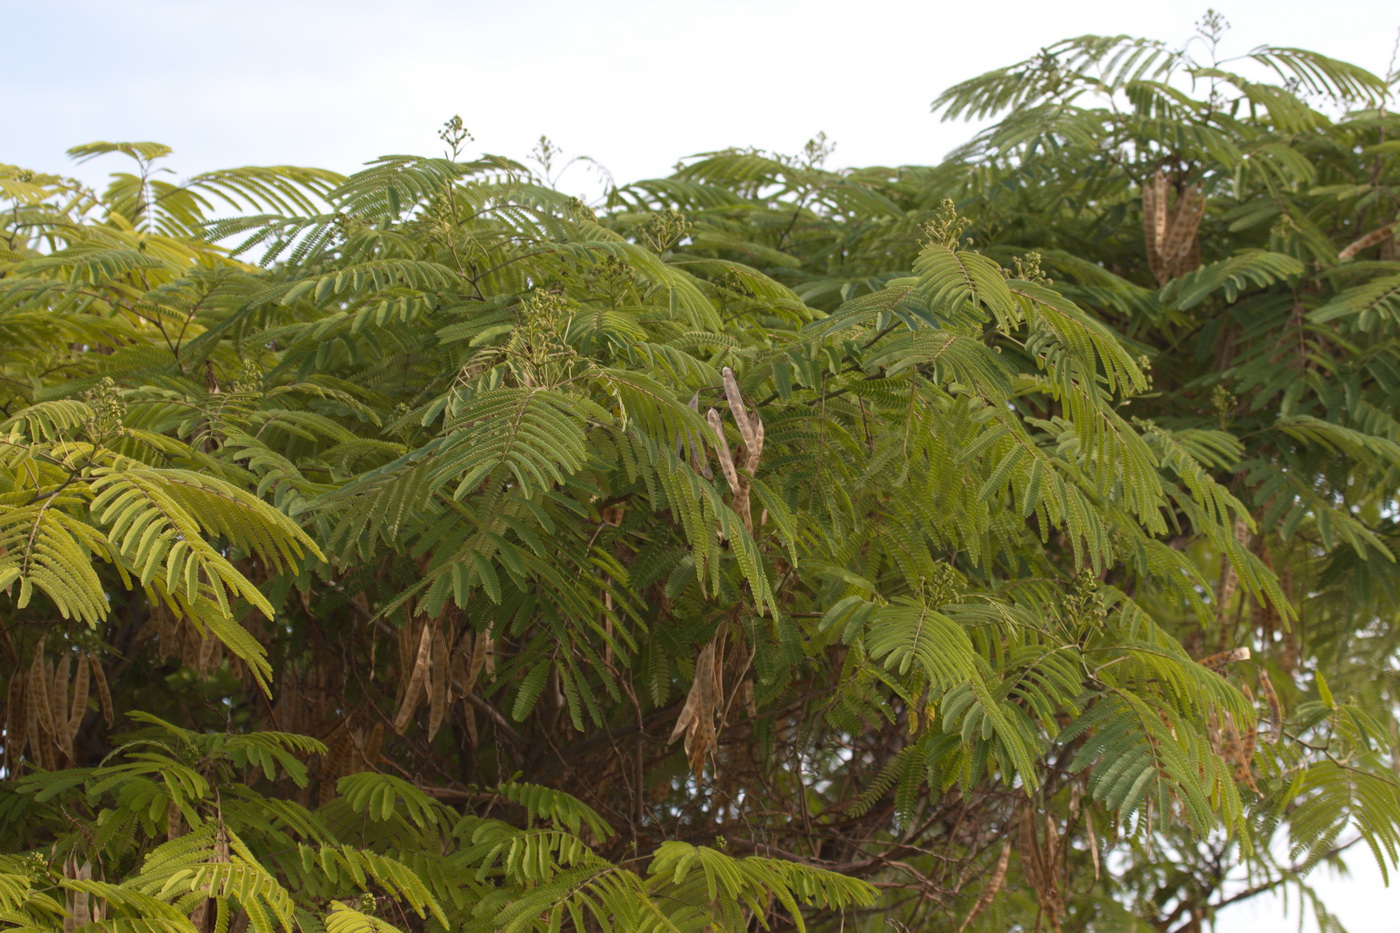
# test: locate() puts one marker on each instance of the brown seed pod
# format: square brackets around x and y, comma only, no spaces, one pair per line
[697,717]
[104,693]
[416,681]
[438,683]
[1266,687]
[16,721]
[77,709]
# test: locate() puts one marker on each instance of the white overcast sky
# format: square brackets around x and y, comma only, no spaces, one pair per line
[636,84]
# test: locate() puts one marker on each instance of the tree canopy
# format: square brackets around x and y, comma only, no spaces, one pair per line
[1005,544]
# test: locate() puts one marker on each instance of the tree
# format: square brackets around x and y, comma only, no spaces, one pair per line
[492,562]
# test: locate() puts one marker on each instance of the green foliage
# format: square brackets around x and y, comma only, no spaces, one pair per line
[493,562]
[183,848]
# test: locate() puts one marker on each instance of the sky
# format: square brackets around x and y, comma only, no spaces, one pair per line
[1358,897]
[634,84]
